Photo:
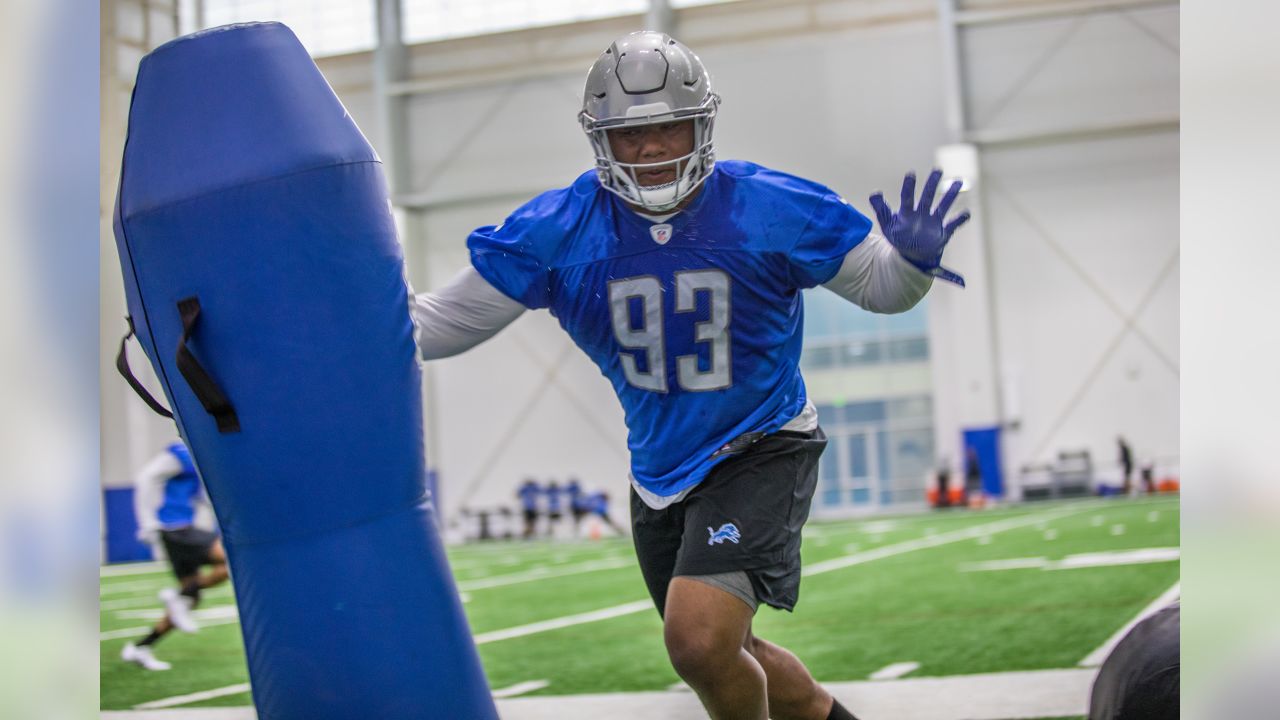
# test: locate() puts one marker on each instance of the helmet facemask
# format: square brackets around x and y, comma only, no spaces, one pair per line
[622,179]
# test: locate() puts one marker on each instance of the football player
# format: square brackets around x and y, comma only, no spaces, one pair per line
[528,493]
[680,277]
[166,492]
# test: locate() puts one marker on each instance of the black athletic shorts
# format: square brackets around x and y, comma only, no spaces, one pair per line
[188,549]
[746,515]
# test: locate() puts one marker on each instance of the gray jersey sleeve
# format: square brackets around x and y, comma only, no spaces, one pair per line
[459,316]
[875,277]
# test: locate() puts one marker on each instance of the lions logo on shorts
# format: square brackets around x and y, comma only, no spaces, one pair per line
[727,531]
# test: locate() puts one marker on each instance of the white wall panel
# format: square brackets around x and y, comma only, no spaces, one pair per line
[1085,236]
[520,136]
[1063,71]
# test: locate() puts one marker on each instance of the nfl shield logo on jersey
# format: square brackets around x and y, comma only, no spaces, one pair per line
[660,233]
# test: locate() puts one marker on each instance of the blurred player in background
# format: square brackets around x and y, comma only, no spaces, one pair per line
[597,504]
[680,277]
[1124,454]
[166,494]
[553,494]
[528,493]
[577,503]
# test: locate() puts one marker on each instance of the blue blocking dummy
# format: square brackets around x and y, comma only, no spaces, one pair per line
[265,283]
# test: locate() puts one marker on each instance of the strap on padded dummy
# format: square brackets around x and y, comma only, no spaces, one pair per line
[122,364]
[215,402]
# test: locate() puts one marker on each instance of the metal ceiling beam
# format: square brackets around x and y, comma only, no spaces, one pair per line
[1084,131]
[1054,10]
[659,17]
[390,68]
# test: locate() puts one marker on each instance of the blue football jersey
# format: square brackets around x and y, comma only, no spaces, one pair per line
[181,492]
[528,493]
[697,322]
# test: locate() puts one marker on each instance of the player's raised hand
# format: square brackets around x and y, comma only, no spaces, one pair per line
[919,233]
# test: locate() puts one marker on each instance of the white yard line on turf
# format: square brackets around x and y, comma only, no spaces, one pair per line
[1140,556]
[1119,557]
[816,569]
[895,671]
[521,688]
[193,697]
[133,602]
[142,630]
[543,573]
[204,614]
[149,600]
[139,632]
[1096,657]
[117,588]
[141,568]
[935,540]
[564,622]
[1027,694]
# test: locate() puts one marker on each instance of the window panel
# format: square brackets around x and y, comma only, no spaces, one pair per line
[426,20]
[325,27]
[828,414]
[912,322]
[860,352]
[858,465]
[864,412]
[911,408]
[914,349]
[818,358]
[831,498]
[911,454]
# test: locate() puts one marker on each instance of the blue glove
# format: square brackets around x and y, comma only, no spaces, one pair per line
[919,235]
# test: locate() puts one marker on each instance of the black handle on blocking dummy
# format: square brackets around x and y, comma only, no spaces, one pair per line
[122,364]
[215,402]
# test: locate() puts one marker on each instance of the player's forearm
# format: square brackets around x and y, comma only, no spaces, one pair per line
[463,314]
[876,278]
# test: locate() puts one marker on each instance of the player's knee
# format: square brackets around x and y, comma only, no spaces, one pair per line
[696,653]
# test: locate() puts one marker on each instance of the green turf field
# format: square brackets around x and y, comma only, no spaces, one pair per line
[876,592]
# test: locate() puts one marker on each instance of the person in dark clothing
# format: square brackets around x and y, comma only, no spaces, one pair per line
[528,494]
[972,475]
[597,504]
[1126,462]
[553,492]
[577,503]
[1139,679]
[944,483]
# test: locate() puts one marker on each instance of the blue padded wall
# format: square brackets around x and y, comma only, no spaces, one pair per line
[247,186]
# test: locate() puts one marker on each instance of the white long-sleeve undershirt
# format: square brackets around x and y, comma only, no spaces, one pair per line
[469,310]
[875,277]
[463,314]
[148,490]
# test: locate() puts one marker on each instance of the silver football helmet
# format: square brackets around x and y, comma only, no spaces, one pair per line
[644,78]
